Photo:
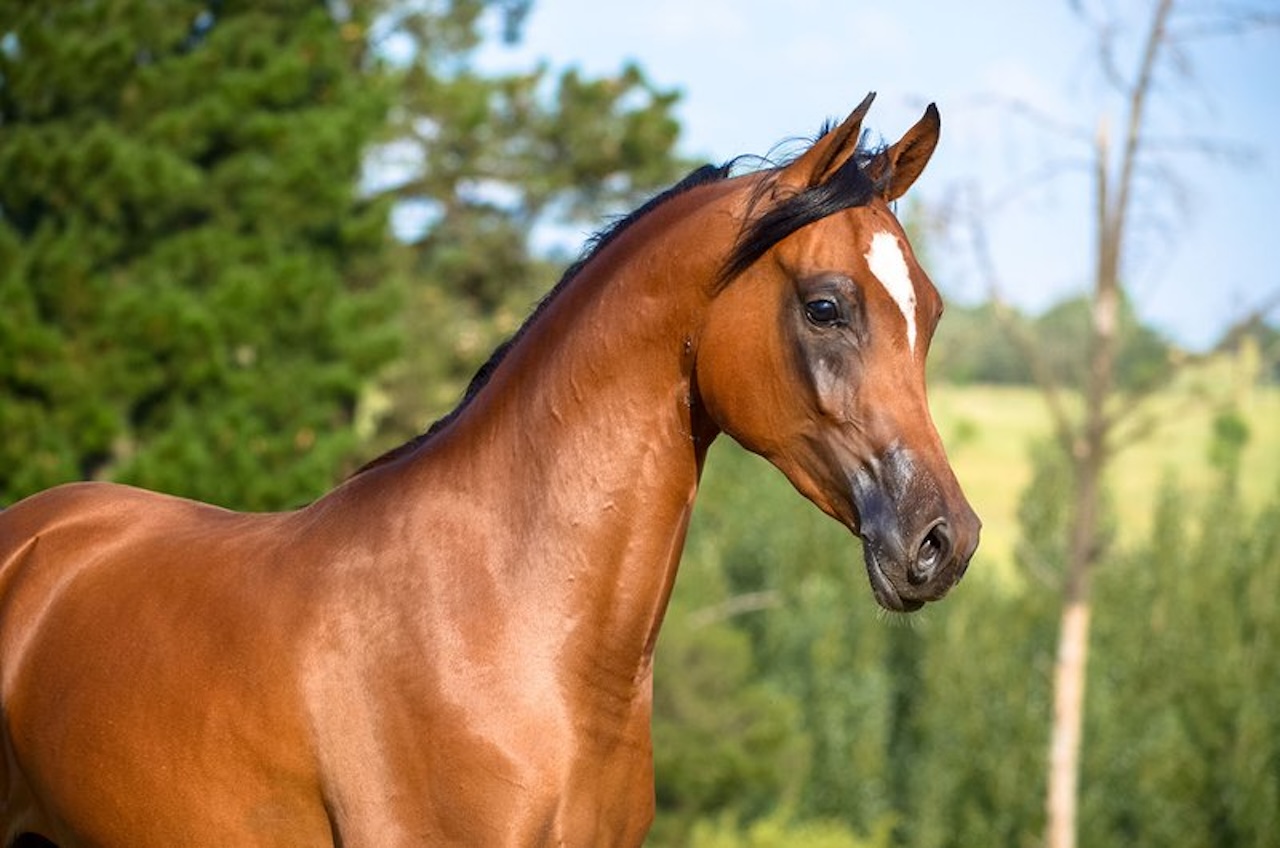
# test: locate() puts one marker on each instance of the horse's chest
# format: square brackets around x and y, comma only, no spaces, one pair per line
[466,767]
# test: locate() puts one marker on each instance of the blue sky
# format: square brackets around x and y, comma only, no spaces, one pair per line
[755,73]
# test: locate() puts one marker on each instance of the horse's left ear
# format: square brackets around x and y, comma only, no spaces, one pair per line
[905,160]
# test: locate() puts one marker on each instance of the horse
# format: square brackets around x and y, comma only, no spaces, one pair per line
[455,645]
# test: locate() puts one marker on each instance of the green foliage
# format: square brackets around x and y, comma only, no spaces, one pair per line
[974,772]
[973,345]
[1267,338]
[724,740]
[1043,512]
[828,655]
[1230,435]
[780,830]
[898,715]
[191,284]
[1183,738]
[970,347]
[1142,359]
[1256,345]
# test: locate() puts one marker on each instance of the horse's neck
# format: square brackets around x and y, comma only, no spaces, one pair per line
[586,447]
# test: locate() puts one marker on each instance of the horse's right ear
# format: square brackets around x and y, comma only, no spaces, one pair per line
[828,153]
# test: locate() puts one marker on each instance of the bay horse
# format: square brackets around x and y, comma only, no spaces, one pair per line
[455,646]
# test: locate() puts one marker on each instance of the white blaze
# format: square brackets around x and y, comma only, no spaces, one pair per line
[886,261]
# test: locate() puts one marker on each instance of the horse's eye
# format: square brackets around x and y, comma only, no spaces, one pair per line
[823,312]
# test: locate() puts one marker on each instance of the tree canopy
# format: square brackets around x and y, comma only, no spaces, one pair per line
[192,285]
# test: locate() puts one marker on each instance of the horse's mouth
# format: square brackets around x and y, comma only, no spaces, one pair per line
[882,588]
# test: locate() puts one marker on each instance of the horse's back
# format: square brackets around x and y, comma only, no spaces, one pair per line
[140,644]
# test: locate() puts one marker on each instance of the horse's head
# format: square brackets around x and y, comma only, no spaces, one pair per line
[813,355]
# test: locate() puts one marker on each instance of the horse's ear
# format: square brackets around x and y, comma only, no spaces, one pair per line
[829,152]
[905,160]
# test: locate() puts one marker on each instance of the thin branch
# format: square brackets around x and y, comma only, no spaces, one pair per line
[1227,25]
[1252,319]
[1105,32]
[1235,154]
[1156,37]
[1040,566]
[1033,115]
[1107,55]
[735,606]
[1031,181]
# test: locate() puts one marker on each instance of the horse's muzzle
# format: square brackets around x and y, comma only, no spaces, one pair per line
[917,542]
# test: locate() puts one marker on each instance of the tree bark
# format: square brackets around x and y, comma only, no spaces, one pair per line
[1071,665]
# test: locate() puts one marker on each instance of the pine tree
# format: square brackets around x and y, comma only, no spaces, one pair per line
[190,281]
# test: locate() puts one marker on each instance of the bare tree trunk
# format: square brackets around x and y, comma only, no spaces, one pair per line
[1069,672]
[1091,452]
[1088,461]
[1068,719]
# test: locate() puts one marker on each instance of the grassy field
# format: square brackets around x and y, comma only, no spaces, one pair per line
[988,431]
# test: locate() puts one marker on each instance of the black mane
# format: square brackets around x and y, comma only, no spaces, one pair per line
[850,186]
[595,244]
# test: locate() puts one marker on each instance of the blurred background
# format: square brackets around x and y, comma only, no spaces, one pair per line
[246,246]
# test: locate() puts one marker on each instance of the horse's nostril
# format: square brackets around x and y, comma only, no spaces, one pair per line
[934,549]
